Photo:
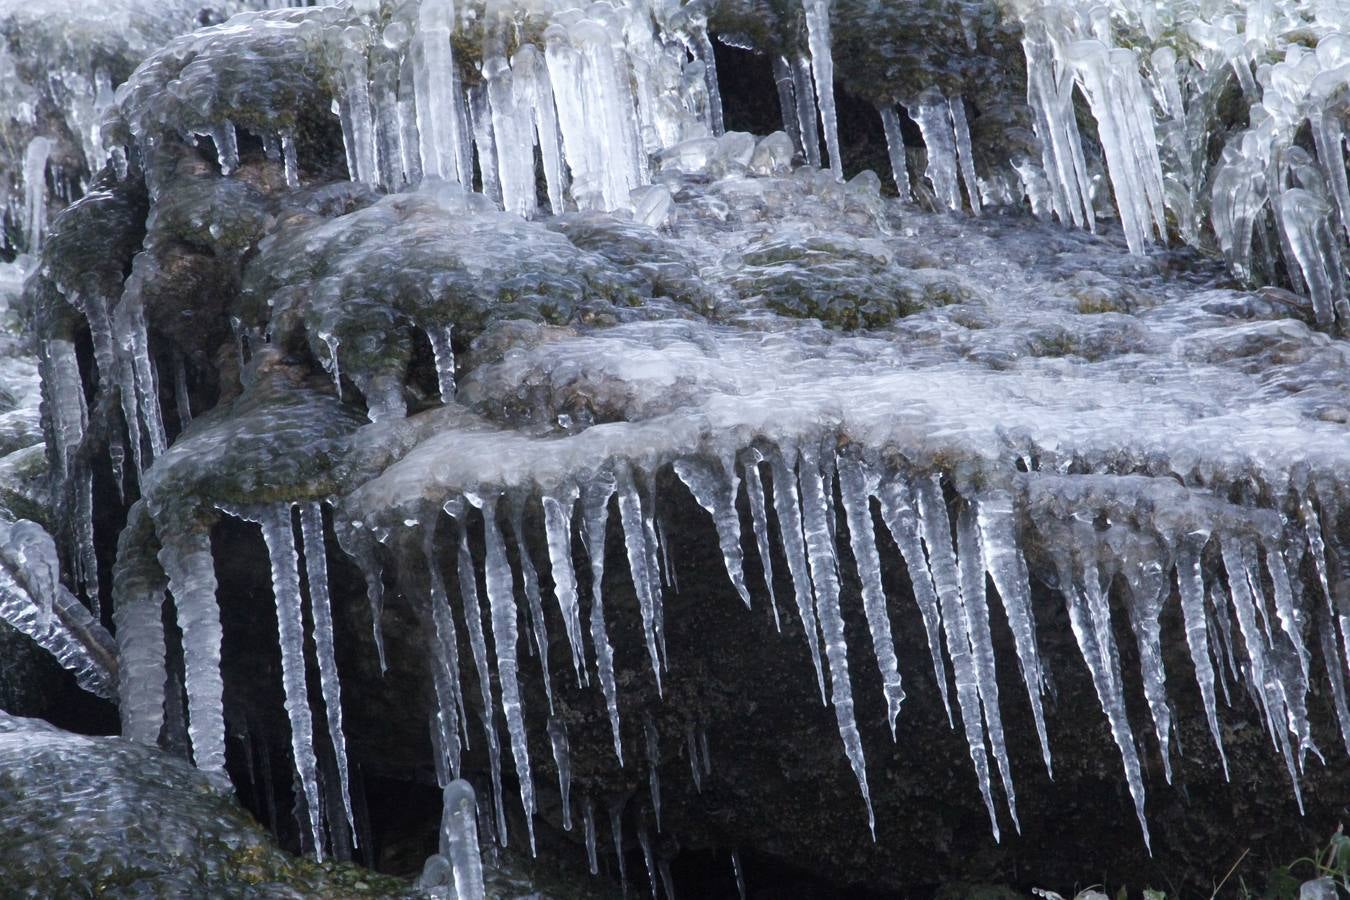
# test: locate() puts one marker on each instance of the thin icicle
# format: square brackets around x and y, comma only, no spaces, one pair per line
[653,765]
[825,577]
[443,349]
[186,557]
[595,518]
[897,508]
[139,584]
[279,535]
[1149,586]
[535,605]
[505,636]
[645,581]
[1090,618]
[557,736]
[809,126]
[459,839]
[754,489]
[645,842]
[787,506]
[714,487]
[935,529]
[933,115]
[895,145]
[316,576]
[856,486]
[975,605]
[691,748]
[1005,565]
[822,65]
[1191,583]
[473,617]
[736,872]
[588,826]
[787,100]
[964,152]
[558,528]
[616,826]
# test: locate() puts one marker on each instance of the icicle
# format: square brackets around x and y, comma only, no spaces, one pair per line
[1003,561]
[824,575]
[645,842]
[439,102]
[588,825]
[227,147]
[964,152]
[808,124]
[787,100]
[316,576]
[138,611]
[856,485]
[787,506]
[445,652]
[444,351]
[653,765]
[459,840]
[279,535]
[616,826]
[691,746]
[754,489]
[595,517]
[935,529]
[703,47]
[1149,586]
[1264,680]
[1190,581]
[512,138]
[473,617]
[186,557]
[557,736]
[822,65]
[975,606]
[736,871]
[933,115]
[534,90]
[667,878]
[1050,95]
[558,528]
[35,191]
[1090,618]
[501,599]
[530,581]
[645,579]
[895,144]
[290,164]
[715,490]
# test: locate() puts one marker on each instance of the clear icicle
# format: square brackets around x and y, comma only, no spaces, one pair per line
[653,765]
[439,102]
[186,557]
[558,529]
[459,840]
[754,489]
[787,100]
[588,826]
[473,617]
[529,578]
[648,860]
[557,736]
[616,827]
[1005,565]
[895,145]
[808,124]
[975,606]
[964,152]
[1191,583]
[645,581]
[316,576]
[1090,618]
[933,115]
[138,611]
[715,487]
[595,518]
[856,486]
[897,508]
[35,191]
[444,351]
[738,874]
[505,636]
[1149,586]
[691,747]
[935,529]
[445,648]
[787,506]
[825,577]
[822,65]
[279,534]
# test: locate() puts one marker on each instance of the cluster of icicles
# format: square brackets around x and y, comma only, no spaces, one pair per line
[1157,536]
[1270,198]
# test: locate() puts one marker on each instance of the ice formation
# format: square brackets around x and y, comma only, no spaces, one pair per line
[618,297]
